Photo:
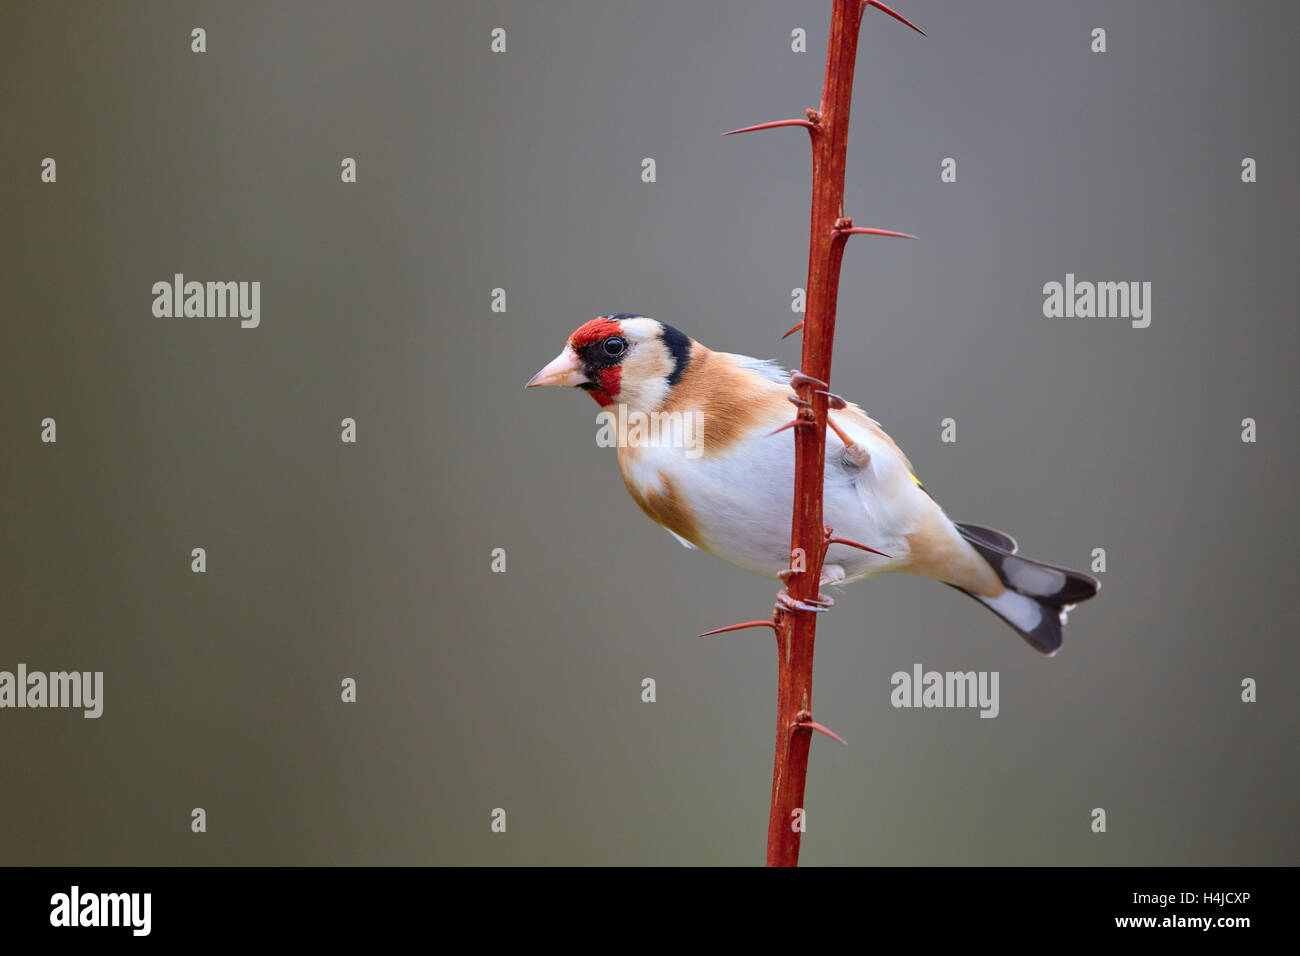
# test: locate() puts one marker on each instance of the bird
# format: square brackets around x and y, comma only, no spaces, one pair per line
[719,475]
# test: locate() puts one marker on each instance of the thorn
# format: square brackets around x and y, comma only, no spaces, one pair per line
[884,9]
[806,124]
[848,441]
[798,401]
[803,721]
[854,544]
[793,331]
[739,627]
[827,731]
[784,600]
[794,423]
[864,231]
[798,378]
[833,400]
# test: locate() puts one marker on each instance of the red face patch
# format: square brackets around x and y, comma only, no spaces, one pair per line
[610,381]
[607,381]
[594,331]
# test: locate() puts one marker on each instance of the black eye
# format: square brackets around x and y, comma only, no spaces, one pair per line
[615,346]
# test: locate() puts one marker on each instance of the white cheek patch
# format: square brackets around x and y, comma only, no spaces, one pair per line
[1031,578]
[644,382]
[637,328]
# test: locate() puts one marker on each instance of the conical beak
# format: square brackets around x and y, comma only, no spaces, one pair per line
[565,370]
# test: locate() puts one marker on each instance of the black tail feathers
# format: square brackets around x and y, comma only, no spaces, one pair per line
[1038,596]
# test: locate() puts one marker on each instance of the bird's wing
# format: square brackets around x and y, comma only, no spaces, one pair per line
[895,498]
[764,368]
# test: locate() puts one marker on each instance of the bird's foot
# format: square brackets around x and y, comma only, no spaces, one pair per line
[831,574]
[784,600]
[798,379]
[816,605]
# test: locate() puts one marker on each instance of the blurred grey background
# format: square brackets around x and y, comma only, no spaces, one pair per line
[522,171]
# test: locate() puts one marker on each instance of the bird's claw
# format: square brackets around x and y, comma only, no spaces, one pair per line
[785,601]
[798,378]
[792,604]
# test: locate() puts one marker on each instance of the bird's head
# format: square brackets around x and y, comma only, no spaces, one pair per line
[622,359]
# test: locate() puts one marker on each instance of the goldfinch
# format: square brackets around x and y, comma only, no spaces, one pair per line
[718,478]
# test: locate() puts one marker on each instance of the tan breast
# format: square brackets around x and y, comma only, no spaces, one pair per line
[664,504]
[731,402]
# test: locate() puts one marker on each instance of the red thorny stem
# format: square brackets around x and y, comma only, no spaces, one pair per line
[796,620]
